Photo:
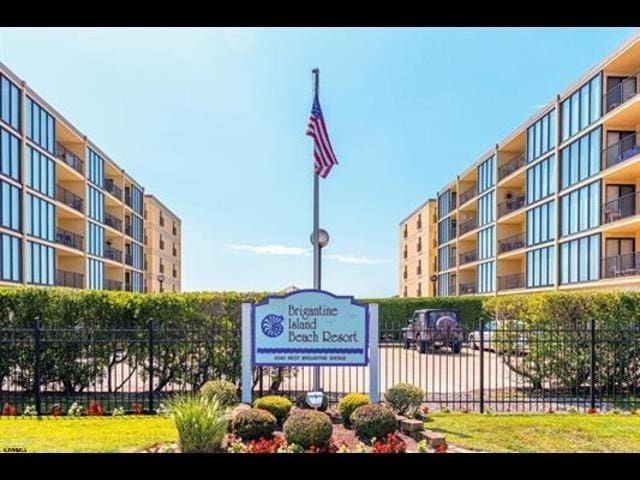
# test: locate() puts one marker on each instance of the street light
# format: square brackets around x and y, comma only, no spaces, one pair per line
[160,279]
[323,238]
[434,278]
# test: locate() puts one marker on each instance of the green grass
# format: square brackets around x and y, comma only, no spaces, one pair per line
[539,432]
[94,434]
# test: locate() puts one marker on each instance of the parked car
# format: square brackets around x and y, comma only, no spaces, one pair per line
[433,328]
[505,336]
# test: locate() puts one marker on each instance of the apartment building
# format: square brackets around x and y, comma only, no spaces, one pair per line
[69,215]
[554,205]
[417,235]
[162,247]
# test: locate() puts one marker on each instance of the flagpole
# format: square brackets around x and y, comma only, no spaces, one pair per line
[317,259]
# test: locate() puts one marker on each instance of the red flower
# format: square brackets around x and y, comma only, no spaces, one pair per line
[392,444]
[9,411]
[265,445]
[441,448]
[425,410]
[55,410]
[136,408]
[95,409]
[592,410]
[550,410]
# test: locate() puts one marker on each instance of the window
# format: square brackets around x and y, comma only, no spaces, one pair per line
[486,243]
[162,220]
[541,180]
[10,206]
[579,210]
[541,136]
[541,223]
[486,174]
[444,204]
[581,109]
[485,277]
[443,232]
[95,274]
[135,281]
[137,200]
[95,239]
[443,285]
[9,154]
[9,103]
[40,218]
[39,172]
[443,258]
[137,228]
[95,173]
[486,210]
[580,260]
[10,258]
[540,267]
[40,264]
[40,126]
[96,204]
[580,159]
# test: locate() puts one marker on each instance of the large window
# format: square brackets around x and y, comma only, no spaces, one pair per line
[137,228]
[9,154]
[485,277]
[541,222]
[40,127]
[580,159]
[95,173]
[9,102]
[580,260]
[10,206]
[10,258]
[95,274]
[40,264]
[541,136]
[136,256]
[443,285]
[40,172]
[444,233]
[486,243]
[96,204]
[40,218]
[486,210]
[95,239]
[135,280]
[582,108]
[486,178]
[443,258]
[541,180]
[444,204]
[580,209]
[540,267]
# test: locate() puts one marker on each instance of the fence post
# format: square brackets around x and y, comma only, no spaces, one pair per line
[481,365]
[592,392]
[151,372]
[37,364]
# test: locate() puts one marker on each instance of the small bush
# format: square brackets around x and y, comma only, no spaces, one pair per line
[278,406]
[308,428]
[301,402]
[372,421]
[225,391]
[201,423]
[349,403]
[254,423]
[404,397]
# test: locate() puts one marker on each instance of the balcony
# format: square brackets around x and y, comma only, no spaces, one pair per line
[619,208]
[112,221]
[510,205]
[69,239]
[68,198]
[621,151]
[621,93]
[511,282]
[128,287]
[511,166]
[452,231]
[468,257]
[452,288]
[113,253]
[69,279]
[616,266]
[128,259]
[113,189]
[508,244]
[468,225]
[69,158]
[467,195]
[452,260]
[128,230]
[127,200]
[467,288]
[112,284]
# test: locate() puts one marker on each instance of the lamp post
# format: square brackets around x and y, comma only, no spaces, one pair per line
[434,278]
[160,279]
[319,241]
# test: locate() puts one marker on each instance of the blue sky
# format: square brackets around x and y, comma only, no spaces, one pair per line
[212,121]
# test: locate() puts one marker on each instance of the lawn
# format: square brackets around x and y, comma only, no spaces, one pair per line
[95,434]
[539,432]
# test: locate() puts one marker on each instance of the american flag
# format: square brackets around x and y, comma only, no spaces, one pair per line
[324,158]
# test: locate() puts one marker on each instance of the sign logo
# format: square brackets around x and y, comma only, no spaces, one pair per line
[272,325]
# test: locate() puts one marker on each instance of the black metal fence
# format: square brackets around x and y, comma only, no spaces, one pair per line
[502,366]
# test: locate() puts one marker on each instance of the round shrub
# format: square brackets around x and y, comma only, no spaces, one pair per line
[404,397]
[223,390]
[308,428]
[301,402]
[349,403]
[254,423]
[373,421]
[278,406]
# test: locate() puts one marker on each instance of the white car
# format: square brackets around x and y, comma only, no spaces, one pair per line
[499,335]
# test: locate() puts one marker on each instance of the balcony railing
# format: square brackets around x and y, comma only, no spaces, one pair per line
[621,207]
[621,265]
[468,225]
[467,195]
[69,198]
[128,230]
[513,242]
[510,205]
[466,288]
[113,253]
[69,158]
[69,279]
[468,257]
[112,284]
[621,93]
[69,239]
[511,282]
[511,166]
[452,288]
[127,200]
[113,189]
[452,231]
[113,221]
[128,259]
[452,260]
[620,151]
